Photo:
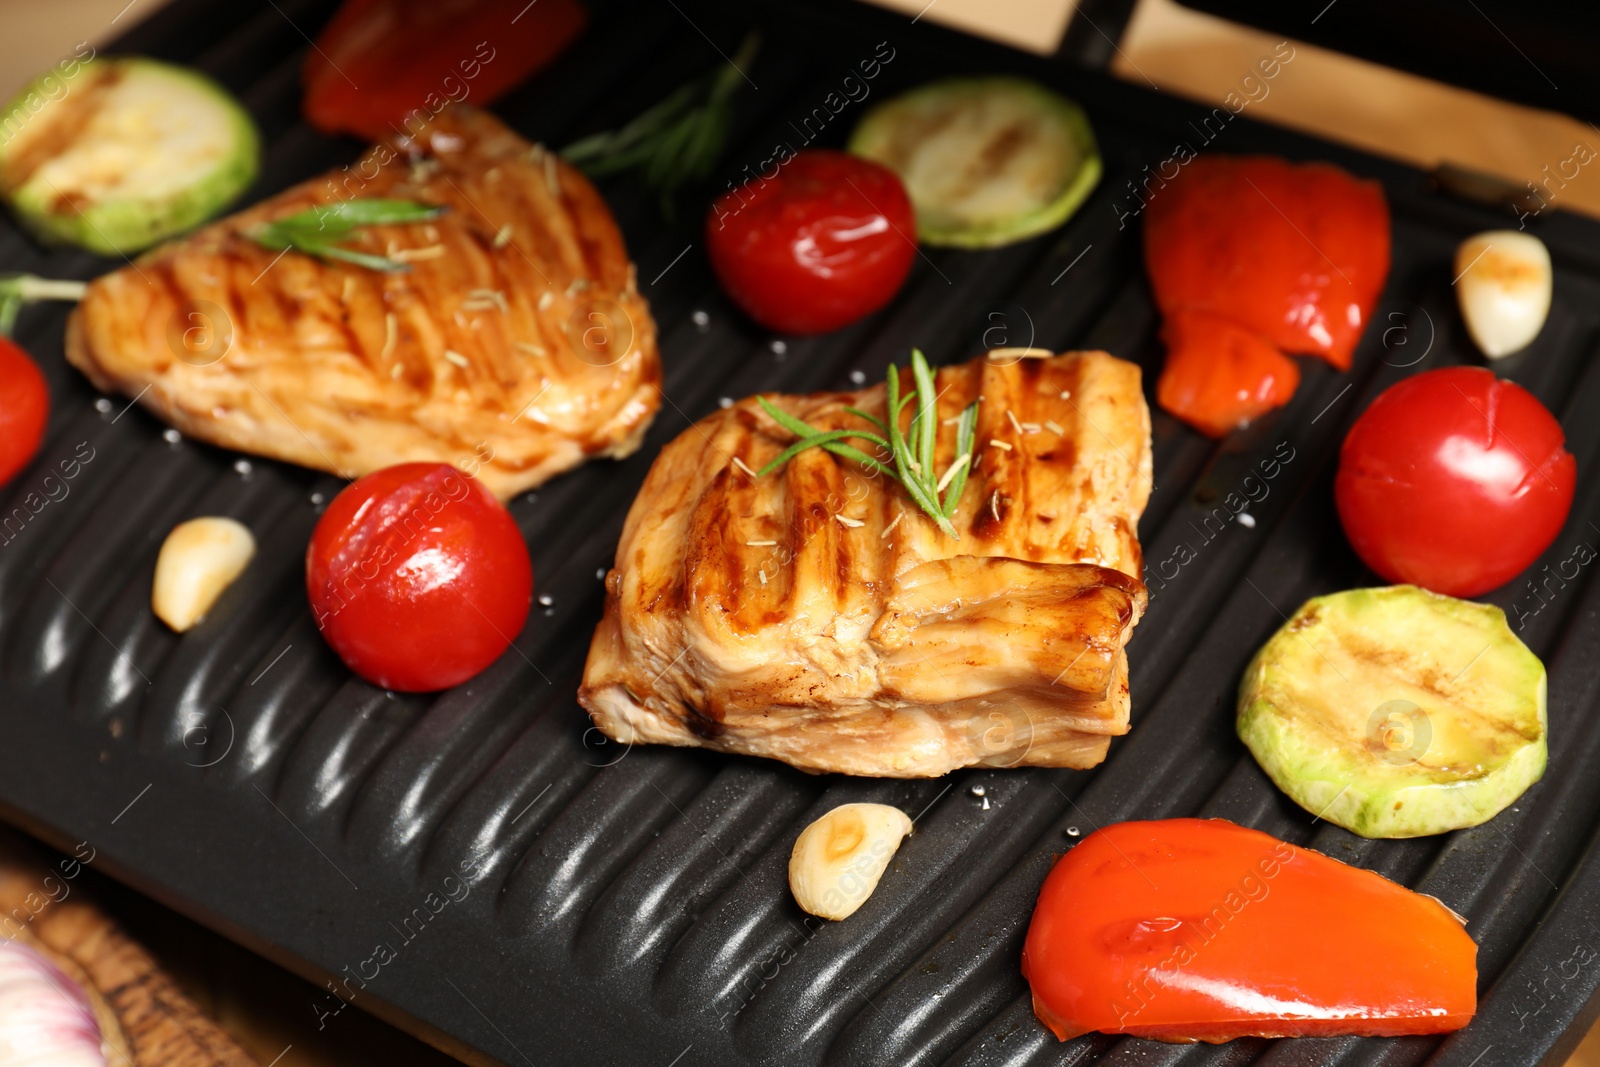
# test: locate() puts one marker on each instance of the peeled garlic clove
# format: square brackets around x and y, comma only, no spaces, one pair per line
[199,559]
[1503,283]
[837,860]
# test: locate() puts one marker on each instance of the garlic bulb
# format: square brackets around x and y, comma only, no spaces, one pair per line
[1503,282]
[837,860]
[45,1019]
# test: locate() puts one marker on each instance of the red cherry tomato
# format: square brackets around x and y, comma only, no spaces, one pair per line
[418,577]
[24,409]
[1454,481]
[826,241]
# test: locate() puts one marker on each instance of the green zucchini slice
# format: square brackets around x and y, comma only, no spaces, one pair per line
[124,153]
[986,161]
[1396,712]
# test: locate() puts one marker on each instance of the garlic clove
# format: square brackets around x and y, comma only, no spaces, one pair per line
[838,859]
[199,559]
[45,1016]
[1503,283]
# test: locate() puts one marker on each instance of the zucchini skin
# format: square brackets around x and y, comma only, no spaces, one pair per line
[127,224]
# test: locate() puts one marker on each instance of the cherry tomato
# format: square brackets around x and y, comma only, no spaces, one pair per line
[1203,930]
[824,242]
[1454,481]
[24,409]
[418,577]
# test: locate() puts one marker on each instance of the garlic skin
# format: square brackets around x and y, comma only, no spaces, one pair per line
[45,1019]
[838,860]
[199,559]
[1504,281]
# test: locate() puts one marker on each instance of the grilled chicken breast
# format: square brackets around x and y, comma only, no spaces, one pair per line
[516,345]
[817,616]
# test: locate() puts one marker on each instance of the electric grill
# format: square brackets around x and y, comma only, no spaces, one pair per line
[630,906]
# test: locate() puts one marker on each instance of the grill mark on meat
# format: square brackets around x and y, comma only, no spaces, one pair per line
[990,522]
[706,725]
[352,342]
[593,262]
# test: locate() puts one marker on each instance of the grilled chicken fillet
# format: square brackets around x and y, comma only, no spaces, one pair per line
[516,345]
[817,616]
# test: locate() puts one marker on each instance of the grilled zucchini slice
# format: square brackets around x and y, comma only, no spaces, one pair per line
[1396,712]
[124,153]
[987,161]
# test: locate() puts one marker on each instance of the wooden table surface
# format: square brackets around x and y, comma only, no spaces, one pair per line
[270,1011]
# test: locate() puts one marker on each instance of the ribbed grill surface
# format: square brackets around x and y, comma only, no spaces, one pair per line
[630,907]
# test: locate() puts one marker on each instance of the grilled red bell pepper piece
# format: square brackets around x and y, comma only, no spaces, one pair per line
[1203,930]
[1218,375]
[1294,254]
[382,67]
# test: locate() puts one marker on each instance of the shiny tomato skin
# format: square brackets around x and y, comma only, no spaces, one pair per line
[24,409]
[418,577]
[826,241]
[1455,481]
[1204,930]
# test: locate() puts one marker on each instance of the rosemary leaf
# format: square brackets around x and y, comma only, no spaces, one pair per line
[965,431]
[673,142]
[870,418]
[315,230]
[360,259]
[815,441]
[912,453]
[17,290]
[927,410]
[342,216]
[811,437]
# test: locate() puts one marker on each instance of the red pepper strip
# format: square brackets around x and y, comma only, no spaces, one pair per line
[1220,376]
[1202,930]
[382,67]
[1295,254]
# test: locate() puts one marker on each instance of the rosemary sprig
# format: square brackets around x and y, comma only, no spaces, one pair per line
[317,230]
[17,290]
[676,141]
[912,453]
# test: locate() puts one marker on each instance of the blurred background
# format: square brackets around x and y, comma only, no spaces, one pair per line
[1174,49]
